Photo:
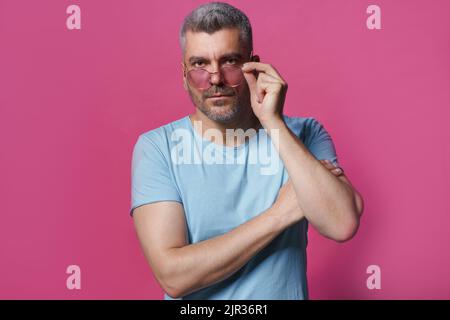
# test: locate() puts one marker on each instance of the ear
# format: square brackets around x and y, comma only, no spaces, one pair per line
[183,73]
[255,58]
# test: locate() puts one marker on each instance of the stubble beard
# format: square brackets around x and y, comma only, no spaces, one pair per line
[222,111]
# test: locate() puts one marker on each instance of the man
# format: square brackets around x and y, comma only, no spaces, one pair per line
[218,225]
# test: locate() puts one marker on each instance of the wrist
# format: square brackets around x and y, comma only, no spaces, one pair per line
[272,122]
[280,219]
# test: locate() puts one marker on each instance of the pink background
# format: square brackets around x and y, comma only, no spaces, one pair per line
[72,104]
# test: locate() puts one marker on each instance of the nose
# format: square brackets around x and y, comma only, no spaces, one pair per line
[216,76]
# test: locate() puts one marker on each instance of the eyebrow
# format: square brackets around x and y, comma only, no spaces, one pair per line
[233,55]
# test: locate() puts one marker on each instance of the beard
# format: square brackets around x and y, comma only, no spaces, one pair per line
[223,110]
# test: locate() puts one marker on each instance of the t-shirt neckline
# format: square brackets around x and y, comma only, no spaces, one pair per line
[203,139]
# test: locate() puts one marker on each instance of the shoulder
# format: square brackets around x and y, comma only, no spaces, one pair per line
[304,127]
[160,137]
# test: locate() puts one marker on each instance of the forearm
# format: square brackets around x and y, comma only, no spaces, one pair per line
[202,264]
[327,202]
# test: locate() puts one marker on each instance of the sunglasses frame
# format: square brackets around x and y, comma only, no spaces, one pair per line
[186,72]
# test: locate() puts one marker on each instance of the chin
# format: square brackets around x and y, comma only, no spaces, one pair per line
[222,113]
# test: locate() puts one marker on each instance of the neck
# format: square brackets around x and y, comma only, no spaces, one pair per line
[246,120]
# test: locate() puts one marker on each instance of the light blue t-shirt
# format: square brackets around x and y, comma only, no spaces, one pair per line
[222,187]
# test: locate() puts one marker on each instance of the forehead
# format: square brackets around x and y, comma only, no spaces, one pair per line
[212,45]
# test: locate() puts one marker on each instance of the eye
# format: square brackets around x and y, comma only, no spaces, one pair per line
[198,64]
[232,61]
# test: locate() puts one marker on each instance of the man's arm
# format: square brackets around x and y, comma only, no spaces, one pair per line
[331,204]
[181,268]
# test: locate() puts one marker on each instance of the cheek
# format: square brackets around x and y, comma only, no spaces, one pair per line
[197,96]
[193,92]
[243,91]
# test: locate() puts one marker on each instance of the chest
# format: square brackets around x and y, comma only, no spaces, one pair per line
[218,198]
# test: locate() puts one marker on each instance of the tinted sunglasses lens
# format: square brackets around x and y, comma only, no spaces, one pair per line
[232,75]
[199,78]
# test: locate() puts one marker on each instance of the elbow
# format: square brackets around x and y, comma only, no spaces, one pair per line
[359,203]
[173,292]
[351,225]
[171,288]
[171,282]
[167,285]
[170,285]
[348,230]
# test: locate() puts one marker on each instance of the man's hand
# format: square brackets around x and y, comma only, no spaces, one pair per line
[335,170]
[267,91]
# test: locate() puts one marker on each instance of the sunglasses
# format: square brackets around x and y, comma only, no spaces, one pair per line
[232,76]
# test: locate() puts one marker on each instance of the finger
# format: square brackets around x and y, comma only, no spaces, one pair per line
[337,171]
[327,164]
[268,78]
[258,87]
[334,169]
[251,81]
[331,163]
[261,67]
[265,84]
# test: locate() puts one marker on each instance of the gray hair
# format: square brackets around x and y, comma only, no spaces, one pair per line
[214,16]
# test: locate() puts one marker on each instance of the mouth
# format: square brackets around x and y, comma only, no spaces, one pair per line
[221,96]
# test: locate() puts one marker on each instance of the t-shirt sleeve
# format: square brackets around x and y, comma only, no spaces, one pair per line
[151,179]
[319,142]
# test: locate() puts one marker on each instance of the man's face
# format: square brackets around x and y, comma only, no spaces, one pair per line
[211,51]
